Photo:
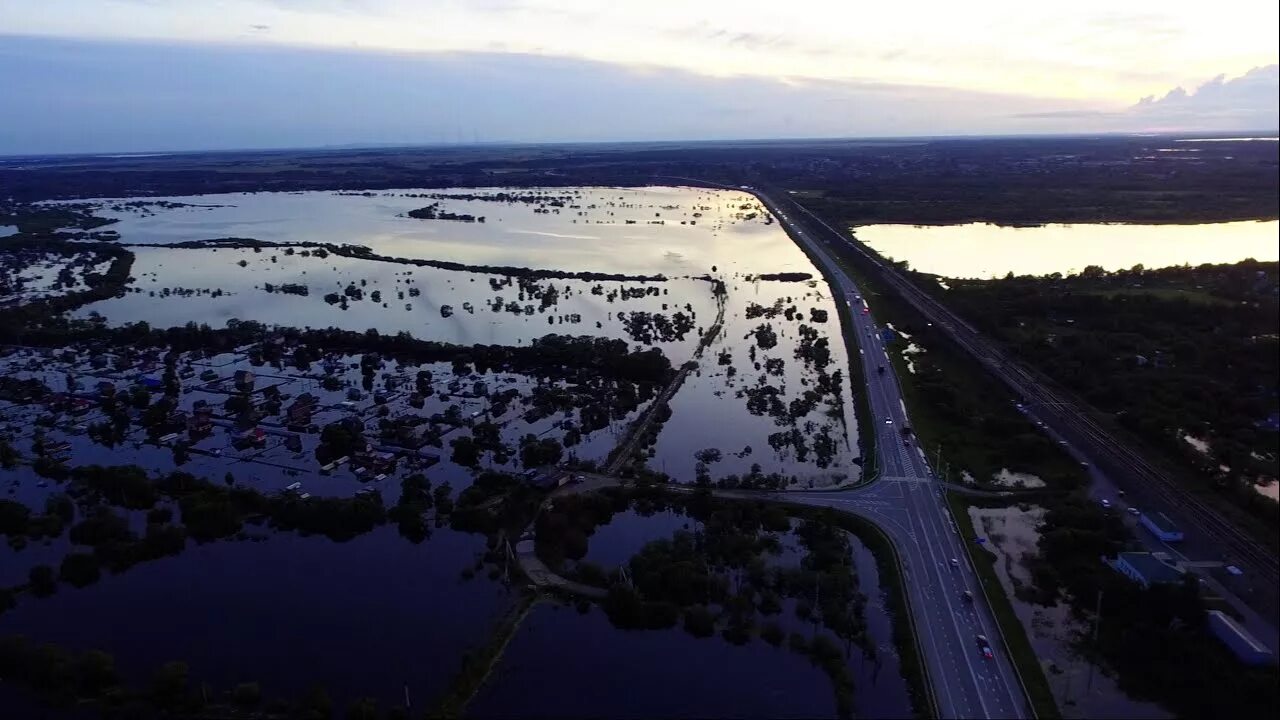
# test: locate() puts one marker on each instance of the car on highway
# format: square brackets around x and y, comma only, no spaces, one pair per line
[955,562]
[1105,503]
[888,421]
[578,479]
[984,647]
[967,595]
[1134,511]
[880,370]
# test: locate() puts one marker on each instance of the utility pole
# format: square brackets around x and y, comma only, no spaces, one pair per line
[1097,617]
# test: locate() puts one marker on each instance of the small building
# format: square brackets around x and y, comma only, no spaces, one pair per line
[1248,649]
[106,388]
[1147,569]
[253,437]
[545,478]
[150,382]
[375,462]
[58,450]
[79,406]
[1161,526]
[300,411]
[354,394]
[201,421]
[293,442]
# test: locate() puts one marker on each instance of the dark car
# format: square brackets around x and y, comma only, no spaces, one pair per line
[984,647]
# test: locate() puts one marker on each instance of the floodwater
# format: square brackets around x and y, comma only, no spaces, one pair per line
[519,234]
[981,250]
[608,672]
[565,665]
[363,618]
[172,287]
[725,234]
[370,616]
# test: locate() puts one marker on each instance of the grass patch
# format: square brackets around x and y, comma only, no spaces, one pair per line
[1191,296]
[956,405]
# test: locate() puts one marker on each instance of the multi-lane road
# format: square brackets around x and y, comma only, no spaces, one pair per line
[1214,535]
[906,502]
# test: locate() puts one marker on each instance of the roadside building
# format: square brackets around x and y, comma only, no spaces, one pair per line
[1248,649]
[545,478]
[244,378]
[1161,526]
[1147,569]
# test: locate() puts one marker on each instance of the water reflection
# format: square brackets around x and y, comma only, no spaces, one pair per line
[980,250]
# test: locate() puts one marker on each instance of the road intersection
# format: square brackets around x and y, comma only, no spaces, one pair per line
[906,503]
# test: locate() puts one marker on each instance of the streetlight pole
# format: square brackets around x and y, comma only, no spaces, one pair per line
[1097,617]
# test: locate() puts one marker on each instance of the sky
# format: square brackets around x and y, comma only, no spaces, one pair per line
[139,75]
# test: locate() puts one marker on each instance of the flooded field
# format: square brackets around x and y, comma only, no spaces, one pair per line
[688,663]
[669,230]
[769,399]
[283,287]
[32,275]
[980,250]
[244,441]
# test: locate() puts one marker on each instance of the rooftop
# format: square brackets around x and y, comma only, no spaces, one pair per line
[1253,643]
[1163,522]
[1152,566]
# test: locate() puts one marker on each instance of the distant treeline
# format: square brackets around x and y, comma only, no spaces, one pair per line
[360,252]
[551,354]
[782,277]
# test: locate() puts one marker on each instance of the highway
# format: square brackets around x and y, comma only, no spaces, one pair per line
[906,502]
[1209,534]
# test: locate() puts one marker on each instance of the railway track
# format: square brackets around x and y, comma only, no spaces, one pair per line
[1076,418]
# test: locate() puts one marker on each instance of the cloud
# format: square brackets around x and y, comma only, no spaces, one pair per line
[80,96]
[1250,101]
